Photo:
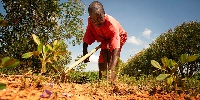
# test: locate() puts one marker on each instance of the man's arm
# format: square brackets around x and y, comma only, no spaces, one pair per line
[85,51]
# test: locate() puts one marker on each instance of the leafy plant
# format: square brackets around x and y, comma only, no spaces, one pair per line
[170,68]
[50,20]
[82,77]
[2,86]
[3,22]
[183,39]
[7,62]
[47,53]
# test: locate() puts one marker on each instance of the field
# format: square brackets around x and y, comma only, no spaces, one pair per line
[19,88]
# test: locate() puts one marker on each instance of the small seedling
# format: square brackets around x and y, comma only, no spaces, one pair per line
[47,53]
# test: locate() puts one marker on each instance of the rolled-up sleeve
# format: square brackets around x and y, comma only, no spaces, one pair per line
[88,36]
[114,37]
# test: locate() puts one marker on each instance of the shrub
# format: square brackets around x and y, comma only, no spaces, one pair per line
[184,39]
[171,70]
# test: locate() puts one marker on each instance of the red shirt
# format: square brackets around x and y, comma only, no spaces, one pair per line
[108,34]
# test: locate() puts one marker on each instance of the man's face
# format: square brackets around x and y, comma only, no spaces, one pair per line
[97,19]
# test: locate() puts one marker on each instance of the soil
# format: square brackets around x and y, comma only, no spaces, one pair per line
[19,88]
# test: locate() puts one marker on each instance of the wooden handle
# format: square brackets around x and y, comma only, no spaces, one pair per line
[82,59]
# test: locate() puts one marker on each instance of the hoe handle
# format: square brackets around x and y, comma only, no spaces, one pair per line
[82,59]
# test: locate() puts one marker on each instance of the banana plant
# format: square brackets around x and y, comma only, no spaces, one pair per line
[46,53]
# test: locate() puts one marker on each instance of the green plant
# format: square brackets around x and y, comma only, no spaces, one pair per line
[170,68]
[3,22]
[7,62]
[82,77]
[183,39]
[47,53]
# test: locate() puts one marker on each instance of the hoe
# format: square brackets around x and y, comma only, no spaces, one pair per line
[82,58]
[64,75]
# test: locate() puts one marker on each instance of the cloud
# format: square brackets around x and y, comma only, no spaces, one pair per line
[134,40]
[94,59]
[147,33]
[134,51]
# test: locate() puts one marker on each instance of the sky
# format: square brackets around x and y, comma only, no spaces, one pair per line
[143,20]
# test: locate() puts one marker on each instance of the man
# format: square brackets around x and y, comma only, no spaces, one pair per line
[107,30]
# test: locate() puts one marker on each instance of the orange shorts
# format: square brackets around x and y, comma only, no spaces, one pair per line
[123,39]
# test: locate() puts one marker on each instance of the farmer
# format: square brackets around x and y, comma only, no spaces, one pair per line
[107,30]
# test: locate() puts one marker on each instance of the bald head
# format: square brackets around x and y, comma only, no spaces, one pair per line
[96,7]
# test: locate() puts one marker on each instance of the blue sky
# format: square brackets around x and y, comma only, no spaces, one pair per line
[144,21]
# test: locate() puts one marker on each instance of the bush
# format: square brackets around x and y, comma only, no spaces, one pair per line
[82,77]
[184,39]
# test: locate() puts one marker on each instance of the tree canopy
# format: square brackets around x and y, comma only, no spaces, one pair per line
[48,19]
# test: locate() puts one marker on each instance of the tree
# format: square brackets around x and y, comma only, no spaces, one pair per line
[49,19]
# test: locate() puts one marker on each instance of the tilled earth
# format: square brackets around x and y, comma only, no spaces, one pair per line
[20,89]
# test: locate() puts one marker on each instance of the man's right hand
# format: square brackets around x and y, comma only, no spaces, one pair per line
[86,60]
